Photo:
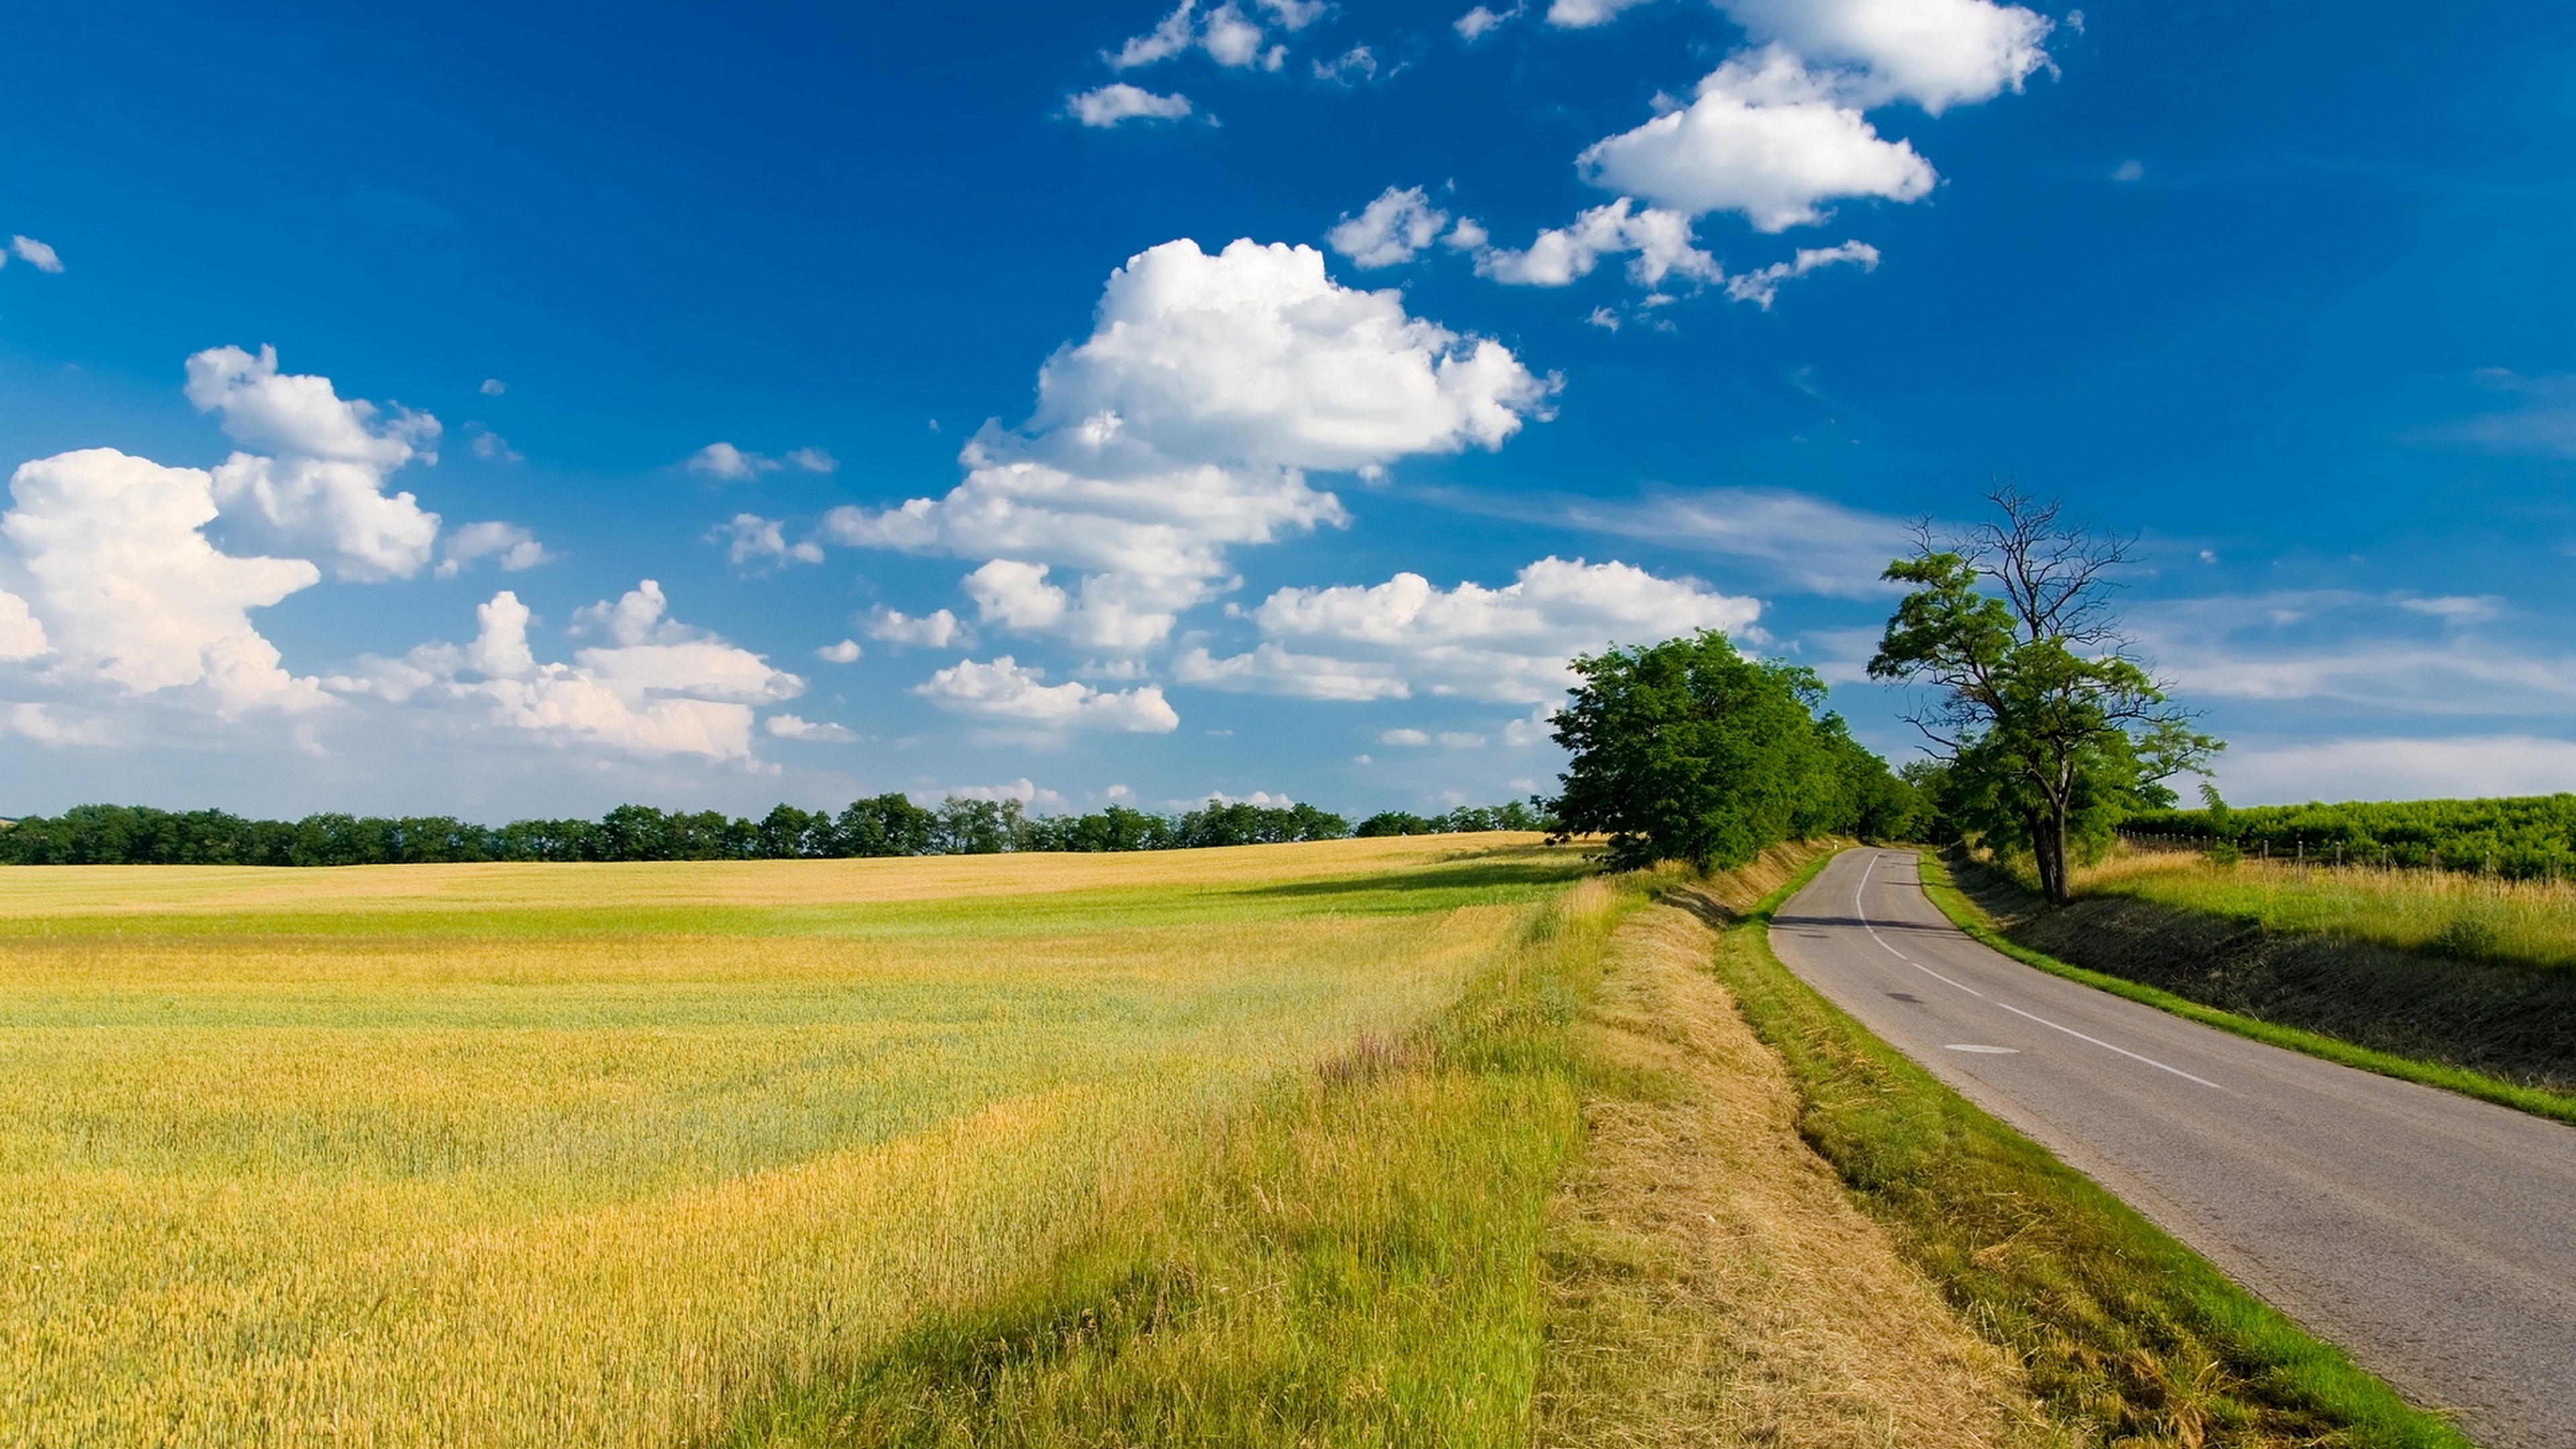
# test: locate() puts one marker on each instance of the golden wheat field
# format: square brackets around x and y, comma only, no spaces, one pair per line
[601,1154]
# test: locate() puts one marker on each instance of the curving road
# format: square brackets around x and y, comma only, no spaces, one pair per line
[2431,1236]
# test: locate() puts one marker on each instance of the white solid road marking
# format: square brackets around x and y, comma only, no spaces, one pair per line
[2106,1046]
[1891,950]
[1960,1046]
[1862,913]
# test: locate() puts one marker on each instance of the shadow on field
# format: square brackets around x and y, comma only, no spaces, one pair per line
[1554,868]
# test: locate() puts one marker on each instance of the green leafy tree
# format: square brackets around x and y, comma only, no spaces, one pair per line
[1687,750]
[2050,728]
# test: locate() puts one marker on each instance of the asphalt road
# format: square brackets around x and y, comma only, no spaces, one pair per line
[2430,1236]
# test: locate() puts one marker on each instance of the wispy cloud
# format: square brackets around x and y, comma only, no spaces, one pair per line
[2540,418]
[1811,544]
[2455,766]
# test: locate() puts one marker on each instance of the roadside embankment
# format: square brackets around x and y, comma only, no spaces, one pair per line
[2510,1020]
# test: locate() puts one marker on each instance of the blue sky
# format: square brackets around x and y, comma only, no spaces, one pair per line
[1556,325]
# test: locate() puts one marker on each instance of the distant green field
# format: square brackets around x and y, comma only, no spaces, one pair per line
[606,1154]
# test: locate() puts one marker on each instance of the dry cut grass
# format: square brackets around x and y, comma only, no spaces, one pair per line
[546,1155]
[1711,1281]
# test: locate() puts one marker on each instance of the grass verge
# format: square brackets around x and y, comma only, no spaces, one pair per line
[1710,1282]
[2127,1336]
[1971,918]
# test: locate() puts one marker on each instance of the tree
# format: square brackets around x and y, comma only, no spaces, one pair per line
[2049,727]
[1687,750]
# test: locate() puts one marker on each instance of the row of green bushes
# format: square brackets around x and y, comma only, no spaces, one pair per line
[2526,837]
[883,826]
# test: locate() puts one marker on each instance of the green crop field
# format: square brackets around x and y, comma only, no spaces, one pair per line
[617,1154]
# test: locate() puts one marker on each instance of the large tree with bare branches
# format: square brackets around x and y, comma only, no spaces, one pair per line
[2050,725]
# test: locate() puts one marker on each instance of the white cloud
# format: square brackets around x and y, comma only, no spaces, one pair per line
[658,688]
[1583,14]
[2398,769]
[1766,137]
[1935,53]
[752,539]
[728,464]
[1270,669]
[790,727]
[491,445]
[933,631]
[1185,426]
[36,254]
[845,652]
[22,635]
[513,547]
[1255,355]
[1229,37]
[1762,285]
[1024,790]
[1118,101]
[1481,21]
[813,460]
[2456,608]
[1537,728]
[1295,15]
[48,726]
[1660,240]
[324,486]
[2130,170]
[300,415]
[130,592]
[1231,40]
[1508,644]
[1005,690]
[1389,230]
[1016,595]
[1405,737]
[1168,39]
[1359,63]
[493,387]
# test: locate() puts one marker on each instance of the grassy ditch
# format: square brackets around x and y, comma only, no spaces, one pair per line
[2126,1336]
[2417,1018]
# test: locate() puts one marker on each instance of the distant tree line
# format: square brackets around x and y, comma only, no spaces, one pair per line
[2526,837]
[885,825]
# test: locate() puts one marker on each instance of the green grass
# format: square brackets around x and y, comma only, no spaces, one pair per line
[1970,918]
[2127,1336]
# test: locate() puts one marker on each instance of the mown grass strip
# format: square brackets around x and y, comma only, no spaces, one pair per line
[2127,1335]
[1971,918]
